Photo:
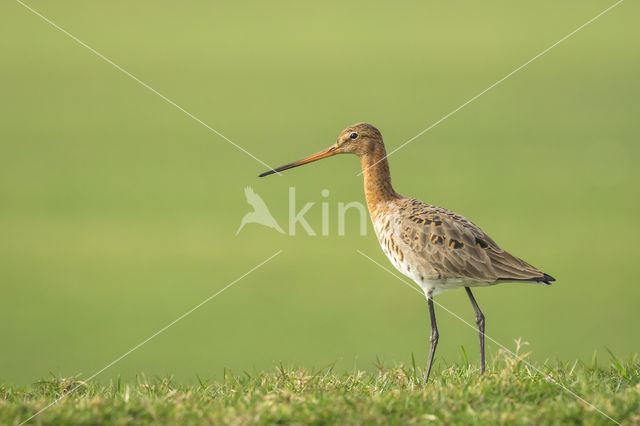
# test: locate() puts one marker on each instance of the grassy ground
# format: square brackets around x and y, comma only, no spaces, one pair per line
[510,392]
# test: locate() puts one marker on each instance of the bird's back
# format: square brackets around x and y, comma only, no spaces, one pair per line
[437,247]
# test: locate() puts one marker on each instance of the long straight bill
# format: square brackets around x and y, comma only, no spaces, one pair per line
[329,152]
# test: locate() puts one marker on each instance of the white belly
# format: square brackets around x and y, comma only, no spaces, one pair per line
[410,266]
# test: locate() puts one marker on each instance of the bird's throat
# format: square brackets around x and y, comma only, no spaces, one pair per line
[377,180]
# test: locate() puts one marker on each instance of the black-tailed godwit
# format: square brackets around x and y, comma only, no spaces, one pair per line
[435,247]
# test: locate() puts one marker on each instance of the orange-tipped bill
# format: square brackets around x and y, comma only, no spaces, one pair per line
[329,152]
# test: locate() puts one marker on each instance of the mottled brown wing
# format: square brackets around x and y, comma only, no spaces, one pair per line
[456,248]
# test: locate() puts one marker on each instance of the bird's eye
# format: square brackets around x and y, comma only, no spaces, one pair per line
[353,135]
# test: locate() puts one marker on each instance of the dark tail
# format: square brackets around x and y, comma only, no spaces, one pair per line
[546,279]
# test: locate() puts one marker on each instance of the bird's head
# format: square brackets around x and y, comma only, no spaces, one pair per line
[360,139]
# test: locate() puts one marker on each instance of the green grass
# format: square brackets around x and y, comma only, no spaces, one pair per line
[509,393]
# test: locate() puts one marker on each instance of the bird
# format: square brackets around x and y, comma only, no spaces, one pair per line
[260,213]
[435,247]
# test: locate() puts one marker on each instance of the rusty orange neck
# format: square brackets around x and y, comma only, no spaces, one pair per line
[377,179]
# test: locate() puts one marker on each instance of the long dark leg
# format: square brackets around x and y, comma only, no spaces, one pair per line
[480,323]
[434,337]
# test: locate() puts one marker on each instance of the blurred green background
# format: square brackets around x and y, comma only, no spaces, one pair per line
[118,212]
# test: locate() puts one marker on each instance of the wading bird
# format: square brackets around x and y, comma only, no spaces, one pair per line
[435,247]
